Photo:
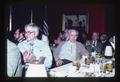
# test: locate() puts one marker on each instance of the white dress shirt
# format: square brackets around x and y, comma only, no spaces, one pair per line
[45,39]
[68,51]
[113,45]
[94,43]
[40,49]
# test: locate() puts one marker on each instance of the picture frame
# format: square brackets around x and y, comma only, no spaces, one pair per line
[79,21]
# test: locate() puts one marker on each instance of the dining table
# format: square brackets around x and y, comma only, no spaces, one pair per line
[101,67]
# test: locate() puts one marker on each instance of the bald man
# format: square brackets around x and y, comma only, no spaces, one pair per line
[70,50]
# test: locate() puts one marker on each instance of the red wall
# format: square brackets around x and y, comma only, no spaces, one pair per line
[96,17]
[96,14]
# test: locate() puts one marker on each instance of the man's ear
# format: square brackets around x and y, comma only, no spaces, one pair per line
[36,34]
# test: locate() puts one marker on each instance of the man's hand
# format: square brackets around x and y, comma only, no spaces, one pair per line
[87,43]
[86,55]
[59,62]
[27,56]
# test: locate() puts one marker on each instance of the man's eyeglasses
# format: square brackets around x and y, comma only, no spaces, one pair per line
[73,35]
[28,32]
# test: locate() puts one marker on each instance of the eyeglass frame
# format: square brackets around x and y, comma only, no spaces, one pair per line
[29,32]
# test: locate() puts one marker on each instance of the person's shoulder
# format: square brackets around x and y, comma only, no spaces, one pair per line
[40,42]
[25,41]
[11,47]
[62,42]
[78,43]
[22,43]
[10,43]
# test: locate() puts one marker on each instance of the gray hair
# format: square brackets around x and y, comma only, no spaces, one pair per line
[72,29]
[34,26]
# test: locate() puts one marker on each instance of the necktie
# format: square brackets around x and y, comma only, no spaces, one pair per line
[93,44]
[71,49]
[31,47]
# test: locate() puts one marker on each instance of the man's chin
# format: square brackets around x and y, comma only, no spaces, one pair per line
[73,41]
[28,39]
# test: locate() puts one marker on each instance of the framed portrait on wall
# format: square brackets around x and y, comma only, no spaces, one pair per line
[79,21]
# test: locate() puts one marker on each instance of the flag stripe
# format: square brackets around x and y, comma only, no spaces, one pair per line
[45,28]
[45,24]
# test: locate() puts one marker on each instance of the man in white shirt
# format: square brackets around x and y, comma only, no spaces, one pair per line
[14,64]
[33,48]
[70,50]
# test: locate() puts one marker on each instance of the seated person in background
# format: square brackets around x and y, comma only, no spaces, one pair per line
[94,44]
[32,48]
[18,35]
[83,38]
[104,41]
[112,42]
[60,38]
[66,35]
[57,41]
[14,64]
[70,50]
[103,38]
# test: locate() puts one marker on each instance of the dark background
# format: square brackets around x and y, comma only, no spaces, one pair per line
[101,17]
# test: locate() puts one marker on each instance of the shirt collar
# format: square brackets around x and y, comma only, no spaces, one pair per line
[71,43]
[33,41]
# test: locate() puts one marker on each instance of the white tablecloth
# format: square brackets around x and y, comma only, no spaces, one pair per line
[36,70]
[69,70]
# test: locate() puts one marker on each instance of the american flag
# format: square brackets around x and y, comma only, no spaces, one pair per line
[45,28]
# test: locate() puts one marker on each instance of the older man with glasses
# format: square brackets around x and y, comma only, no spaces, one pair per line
[70,50]
[32,48]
